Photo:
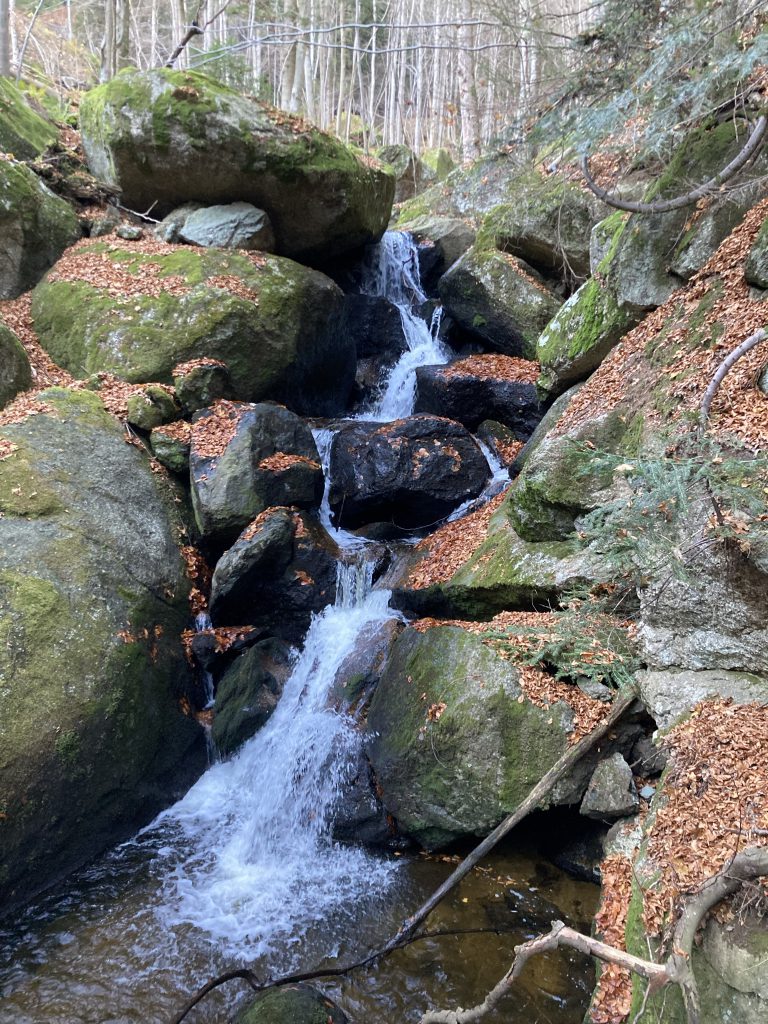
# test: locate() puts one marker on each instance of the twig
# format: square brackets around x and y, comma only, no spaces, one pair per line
[744,867]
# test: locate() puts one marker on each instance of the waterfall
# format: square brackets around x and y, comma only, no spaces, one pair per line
[392,271]
[250,856]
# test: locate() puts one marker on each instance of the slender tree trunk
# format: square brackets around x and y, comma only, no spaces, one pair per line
[5,38]
[470,146]
[108,50]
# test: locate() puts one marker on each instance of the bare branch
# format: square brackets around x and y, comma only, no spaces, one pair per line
[744,867]
[722,370]
[751,147]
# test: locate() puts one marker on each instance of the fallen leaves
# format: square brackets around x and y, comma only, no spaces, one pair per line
[494,367]
[282,461]
[449,547]
[613,996]
[211,434]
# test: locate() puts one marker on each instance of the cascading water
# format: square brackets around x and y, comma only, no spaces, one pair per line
[392,271]
[259,866]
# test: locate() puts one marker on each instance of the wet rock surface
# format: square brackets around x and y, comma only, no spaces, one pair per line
[412,471]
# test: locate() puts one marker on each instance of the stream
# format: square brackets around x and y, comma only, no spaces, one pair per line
[244,868]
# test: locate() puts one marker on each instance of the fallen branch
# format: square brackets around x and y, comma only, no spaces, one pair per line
[722,370]
[542,789]
[744,867]
[730,170]
[195,29]
[406,934]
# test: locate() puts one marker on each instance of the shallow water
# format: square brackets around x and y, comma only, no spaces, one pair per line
[96,953]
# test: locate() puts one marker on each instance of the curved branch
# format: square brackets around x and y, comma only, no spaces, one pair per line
[722,370]
[745,866]
[743,157]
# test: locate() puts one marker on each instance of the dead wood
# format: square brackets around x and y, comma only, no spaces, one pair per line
[744,867]
[732,357]
[743,157]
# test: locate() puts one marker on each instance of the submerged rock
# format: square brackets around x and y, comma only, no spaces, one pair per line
[413,471]
[93,598]
[36,227]
[274,323]
[245,458]
[294,1004]
[170,136]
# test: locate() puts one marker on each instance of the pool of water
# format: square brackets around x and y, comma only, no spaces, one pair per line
[98,952]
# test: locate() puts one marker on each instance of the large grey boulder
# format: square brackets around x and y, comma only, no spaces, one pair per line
[499,299]
[670,693]
[245,458]
[93,598]
[230,226]
[168,137]
[453,741]
[35,228]
[15,370]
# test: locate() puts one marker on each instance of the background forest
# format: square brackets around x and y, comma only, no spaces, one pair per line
[459,74]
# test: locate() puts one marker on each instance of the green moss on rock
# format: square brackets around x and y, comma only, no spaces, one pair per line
[23,132]
[283,343]
[500,299]
[92,601]
[579,337]
[35,225]
[170,136]
[503,745]
[15,371]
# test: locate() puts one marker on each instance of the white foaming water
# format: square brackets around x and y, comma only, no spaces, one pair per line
[392,270]
[259,867]
[348,541]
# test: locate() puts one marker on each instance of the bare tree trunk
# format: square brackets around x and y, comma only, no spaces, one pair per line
[5,38]
[470,145]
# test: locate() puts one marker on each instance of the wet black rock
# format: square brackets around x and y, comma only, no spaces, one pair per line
[412,472]
[460,393]
[277,573]
[248,693]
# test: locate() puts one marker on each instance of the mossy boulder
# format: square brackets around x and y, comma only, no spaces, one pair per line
[503,572]
[453,741]
[499,299]
[442,240]
[274,323]
[171,447]
[407,167]
[547,222]
[35,225]
[579,337]
[562,478]
[170,137]
[294,1004]
[93,597]
[437,163]
[658,252]
[245,458]
[152,407]
[15,371]
[23,132]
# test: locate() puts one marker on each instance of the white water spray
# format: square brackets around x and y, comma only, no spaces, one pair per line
[392,270]
[260,868]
